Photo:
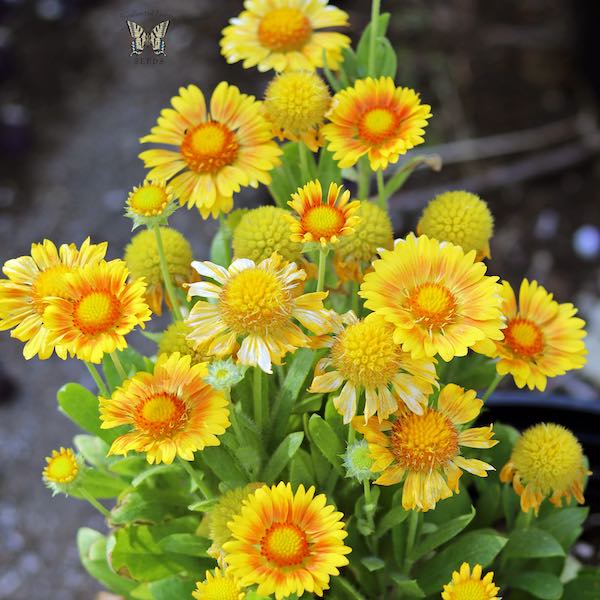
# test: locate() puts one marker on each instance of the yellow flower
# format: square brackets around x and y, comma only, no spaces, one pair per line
[461,218]
[218,151]
[63,469]
[31,281]
[324,222]
[468,585]
[172,411]
[286,542]
[218,586]
[174,339]
[425,448]
[150,203]
[98,310]
[258,304]
[546,462]
[284,35]
[364,356]
[437,297]
[542,337]
[375,117]
[143,261]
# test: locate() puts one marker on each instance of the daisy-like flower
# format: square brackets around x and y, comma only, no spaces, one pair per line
[98,310]
[542,337]
[31,281]
[364,358]
[218,586]
[467,584]
[546,462]
[219,149]
[257,305]
[284,35]
[286,542]
[150,204]
[437,297]
[323,221]
[424,449]
[63,469]
[172,412]
[376,118]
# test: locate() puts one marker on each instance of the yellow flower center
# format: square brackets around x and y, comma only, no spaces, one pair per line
[323,221]
[62,467]
[160,414]
[220,588]
[432,304]
[51,282]
[376,125]
[470,589]
[96,312]
[284,29]
[424,442]
[524,337]
[209,147]
[149,200]
[284,544]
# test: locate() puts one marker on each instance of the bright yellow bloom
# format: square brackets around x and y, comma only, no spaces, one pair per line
[461,218]
[284,35]
[172,411]
[546,462]
[150,203]
[219,150]
[324,222]
[62,471]
[365,358]
[424,449]
[31,280]
[468,585]
[375,117]
[257,304]
[175,339]
[542,337]
[218,586]
[437,297]
[98,310]
[286,542]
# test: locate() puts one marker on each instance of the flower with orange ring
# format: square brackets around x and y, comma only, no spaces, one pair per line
[173,411]
[219,149]
[376,118]
[323,222]
[286,542]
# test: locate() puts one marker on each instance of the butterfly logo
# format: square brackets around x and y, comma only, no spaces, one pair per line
[139,38]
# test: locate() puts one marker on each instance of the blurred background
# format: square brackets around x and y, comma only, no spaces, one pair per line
[515,89]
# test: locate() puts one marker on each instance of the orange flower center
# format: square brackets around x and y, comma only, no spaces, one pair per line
[149,200]
[96,312]
[472,589]
[209,147]
[284,29]
[284,544]
[524,337]
[160,414]
[432,304]
[323,221]
[424,442]
[376,125]
[51,282]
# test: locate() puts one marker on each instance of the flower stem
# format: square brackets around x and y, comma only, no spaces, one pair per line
[257,397]
[492,386]
[323,252]
[197,478]
[226,238]
[364,178]
[375,6]
[164,269]
[102,509]
[411,536]
[98,379]
[381,199]
[304,152]
[118,365]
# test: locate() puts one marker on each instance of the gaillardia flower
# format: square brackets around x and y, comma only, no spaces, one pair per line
[376,118]
[357,461]
[424,449]
[98,310]
[150,204]
[31,281]
[437,297]
[323,222]
[546,462]
[461,218]
[364,358]
[175,339]
[257,305]
[286,542]
[542,337]
[218,586]
[63,469]
[172,411]
[468,585]
[219,149]
[284,35]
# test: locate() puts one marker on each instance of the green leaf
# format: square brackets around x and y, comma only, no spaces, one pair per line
[363,47]
[185,543]
[203,506]
[564,524]
[282,456]
[128,466]
[325,439]
[310,404]
[149,472]
[532,543]
[344,590]
[450,508]
[408,588]
[217,249]
[393,517]
[100,484]
[488,503]
[301,469]
[93,449]
[286,178]
[172,588]
[81,406]
[373,563]
[335,420]
[150,506]
[586,586]
[510,505]
[223,465]
[541,585]
[328,170]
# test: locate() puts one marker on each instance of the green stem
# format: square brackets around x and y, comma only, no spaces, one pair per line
[118,365]
[323,252]
[98,379]
[197,478]
[355,300]
[364,178]
[257,397]
[164,268]
[304,151]
[226,237]
[375,6]
[492,386]
[381,199]
[411,536]
[102,509]
[351,435]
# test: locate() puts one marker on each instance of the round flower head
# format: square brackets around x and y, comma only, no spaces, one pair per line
[31,281]
[376,118]
[175,339]
[324,222]
[150,204]
[218,586]
[424,449]
[63,469]
[263,231]
[286,542]
[461,218]
[284,35]
[437,297]
[99,309]
[256,304]
[218,150]
[143,260]
[364,358]
[546,462]
[542,337]
[224,374]
[172,411]
[468,585]
[357,461]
